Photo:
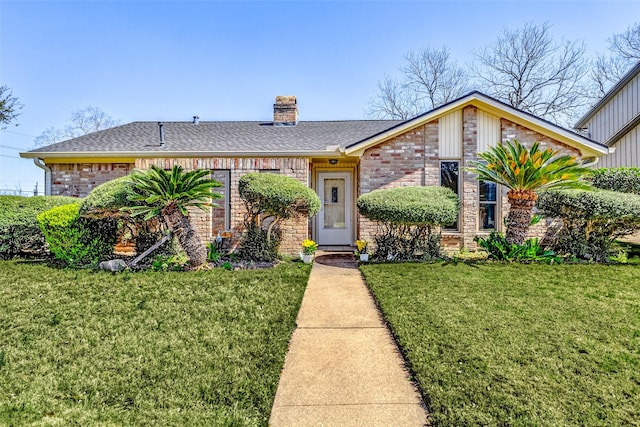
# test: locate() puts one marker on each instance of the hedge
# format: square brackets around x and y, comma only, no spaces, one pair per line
[278,195]
[108,197]
[411,205]
[270,199]
[74,240]
[625,180]
[19,231]
[591,219]
[406,218]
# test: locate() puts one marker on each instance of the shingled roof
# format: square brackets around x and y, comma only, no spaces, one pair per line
[234,138]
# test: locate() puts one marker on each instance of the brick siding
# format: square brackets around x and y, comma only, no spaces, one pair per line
[413,159]
[78,179]
[296,230]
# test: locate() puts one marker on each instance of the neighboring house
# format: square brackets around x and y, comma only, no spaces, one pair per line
[615,121]
[339,159]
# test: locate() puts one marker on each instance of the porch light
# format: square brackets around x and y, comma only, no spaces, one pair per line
[333,161]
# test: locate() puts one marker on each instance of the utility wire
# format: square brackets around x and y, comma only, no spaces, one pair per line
[12,148]
[18,133]
[11,157]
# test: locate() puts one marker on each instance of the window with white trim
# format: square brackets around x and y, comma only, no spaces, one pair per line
[450,178]
[488,205]
[221,213]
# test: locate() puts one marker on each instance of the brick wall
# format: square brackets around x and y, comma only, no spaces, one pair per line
[412,159]
[527,137]
[398,162]
[298,168]
[78,179]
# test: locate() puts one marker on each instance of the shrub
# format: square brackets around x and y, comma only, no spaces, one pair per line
[76,241]
[105,205]
[19,230]
[407,218]
[624,180]
[108,198]
[269,200]
[591,220]
[499,249]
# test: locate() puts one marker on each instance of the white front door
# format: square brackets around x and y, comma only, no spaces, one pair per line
[334,220]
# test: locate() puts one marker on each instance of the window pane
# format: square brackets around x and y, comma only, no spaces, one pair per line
[487,191]
[449,172]
[220,214]
[334,207]
[487,216]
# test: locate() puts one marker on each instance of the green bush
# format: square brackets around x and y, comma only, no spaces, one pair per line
[19,230]
[278,196]
[269,200]
[624,180]
[407,219]
[411,205]
[105,204]
[591,220]
[109,197]
[76,241]
[499,249]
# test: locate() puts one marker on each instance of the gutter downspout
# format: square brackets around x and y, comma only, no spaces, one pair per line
[47,175]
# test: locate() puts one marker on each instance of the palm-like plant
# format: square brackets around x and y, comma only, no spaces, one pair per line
[525,172]
[168,194]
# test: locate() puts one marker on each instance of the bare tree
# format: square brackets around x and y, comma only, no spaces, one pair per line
[624,52]
[527,69]
[429,79]
[9,107]
[607,71]
[82,122]
[627,44]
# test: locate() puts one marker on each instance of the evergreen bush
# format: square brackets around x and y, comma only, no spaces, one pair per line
[19,230]
[624,180]
[76,241]
[108,198]
[270,199]
[409,220]
[591,220]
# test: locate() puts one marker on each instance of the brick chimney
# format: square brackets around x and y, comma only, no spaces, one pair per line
[285,111]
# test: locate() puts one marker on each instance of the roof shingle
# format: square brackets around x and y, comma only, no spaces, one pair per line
[233,137]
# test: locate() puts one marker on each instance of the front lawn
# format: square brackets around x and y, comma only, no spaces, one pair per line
[92,348]
[520,345]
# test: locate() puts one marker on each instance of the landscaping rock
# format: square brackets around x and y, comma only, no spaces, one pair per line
[113,265]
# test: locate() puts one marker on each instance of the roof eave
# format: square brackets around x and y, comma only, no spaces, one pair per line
[496,107]
[631,74]
[179,154]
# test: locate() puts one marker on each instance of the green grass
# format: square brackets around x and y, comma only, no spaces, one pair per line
[92,348]
[521,345]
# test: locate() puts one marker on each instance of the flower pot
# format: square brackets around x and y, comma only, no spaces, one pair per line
[307,259]
[364,257]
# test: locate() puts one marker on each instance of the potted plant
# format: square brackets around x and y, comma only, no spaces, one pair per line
[309,247]
[361,250]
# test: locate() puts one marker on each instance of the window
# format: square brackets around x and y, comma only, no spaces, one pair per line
[450,178]
[488,205]
[221,214]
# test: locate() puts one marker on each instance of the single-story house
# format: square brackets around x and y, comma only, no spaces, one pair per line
[339,159]
[615,121]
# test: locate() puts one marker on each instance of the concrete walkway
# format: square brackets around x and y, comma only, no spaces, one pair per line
[343,368]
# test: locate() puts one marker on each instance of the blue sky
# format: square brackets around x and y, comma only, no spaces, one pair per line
[169,60]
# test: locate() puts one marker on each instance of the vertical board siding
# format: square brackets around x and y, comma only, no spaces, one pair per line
[627,153]
[617,112]
[488,131]
[450,135]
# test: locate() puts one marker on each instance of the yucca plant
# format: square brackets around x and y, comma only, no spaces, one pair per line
[167,195]
[525,172]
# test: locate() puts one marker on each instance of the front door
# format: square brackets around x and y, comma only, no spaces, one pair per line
[334,220]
